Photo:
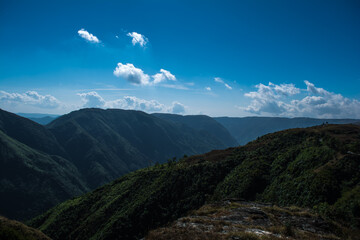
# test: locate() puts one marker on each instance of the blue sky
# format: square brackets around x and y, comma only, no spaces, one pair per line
[220,58]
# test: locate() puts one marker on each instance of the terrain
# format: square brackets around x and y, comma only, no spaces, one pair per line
[235,219]
[42,166]
[316,168]
[246,129]
[13,230]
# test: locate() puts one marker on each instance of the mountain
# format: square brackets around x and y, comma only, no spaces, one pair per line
[42,166]
[32,181]
[30,133]
[13,230]
[247,129]
[316,168]
[105,144]
[40,118]
[202,123]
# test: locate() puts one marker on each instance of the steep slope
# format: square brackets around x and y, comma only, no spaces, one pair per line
[13,230]
[249,128]
[32,182]
[317,167]
[105,144]
[202,123]
[30,133]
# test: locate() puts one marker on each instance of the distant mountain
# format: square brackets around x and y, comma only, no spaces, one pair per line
[41,166]
[40,118]
[202,123]
[105,144]
[316,168]
[13,230]
[247,129]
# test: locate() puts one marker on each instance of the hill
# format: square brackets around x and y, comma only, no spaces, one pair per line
[317,168]
[32,181]
[29,133]
[202,123]
[247,129]
[13,230]
[42,166]
[105,144]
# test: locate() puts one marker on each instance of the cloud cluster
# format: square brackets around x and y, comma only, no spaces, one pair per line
[287,100]
[219,80]
[88,36]
[138,38]
[132,74]
[137,76]
[29,98]
[93,99]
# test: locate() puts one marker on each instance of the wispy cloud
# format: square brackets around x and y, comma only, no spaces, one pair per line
[279,100]
[162,76]
[29,98]
[219,80]
[138,38]
[208,88]
[88,36]
[93,99]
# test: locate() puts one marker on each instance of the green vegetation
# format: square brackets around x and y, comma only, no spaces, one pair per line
[13,230]
[316,168]
[41,166]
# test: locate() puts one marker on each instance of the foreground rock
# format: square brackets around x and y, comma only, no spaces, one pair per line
[232,219]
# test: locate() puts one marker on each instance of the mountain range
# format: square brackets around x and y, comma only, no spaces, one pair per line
[86,149]
[316,168]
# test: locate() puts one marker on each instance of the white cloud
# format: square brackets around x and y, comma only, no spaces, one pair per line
[138,38]
[177,108]
[219,80]
[132,74]
[93,99]
[29,98]
[208,88]
[137,76]
[163,76]
[88,36]
[279,100]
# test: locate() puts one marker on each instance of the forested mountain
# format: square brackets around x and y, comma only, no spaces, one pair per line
[105,144]
[202,123]
[246,129]
[316,168]
[44,165]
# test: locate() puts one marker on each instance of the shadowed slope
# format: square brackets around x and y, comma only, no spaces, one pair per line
[317,167]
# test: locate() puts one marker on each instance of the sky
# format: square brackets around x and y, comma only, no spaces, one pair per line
[220,58]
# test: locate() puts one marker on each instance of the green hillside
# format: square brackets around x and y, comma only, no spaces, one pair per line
[316,168]
[105,144]
[41,166]
[32,182]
